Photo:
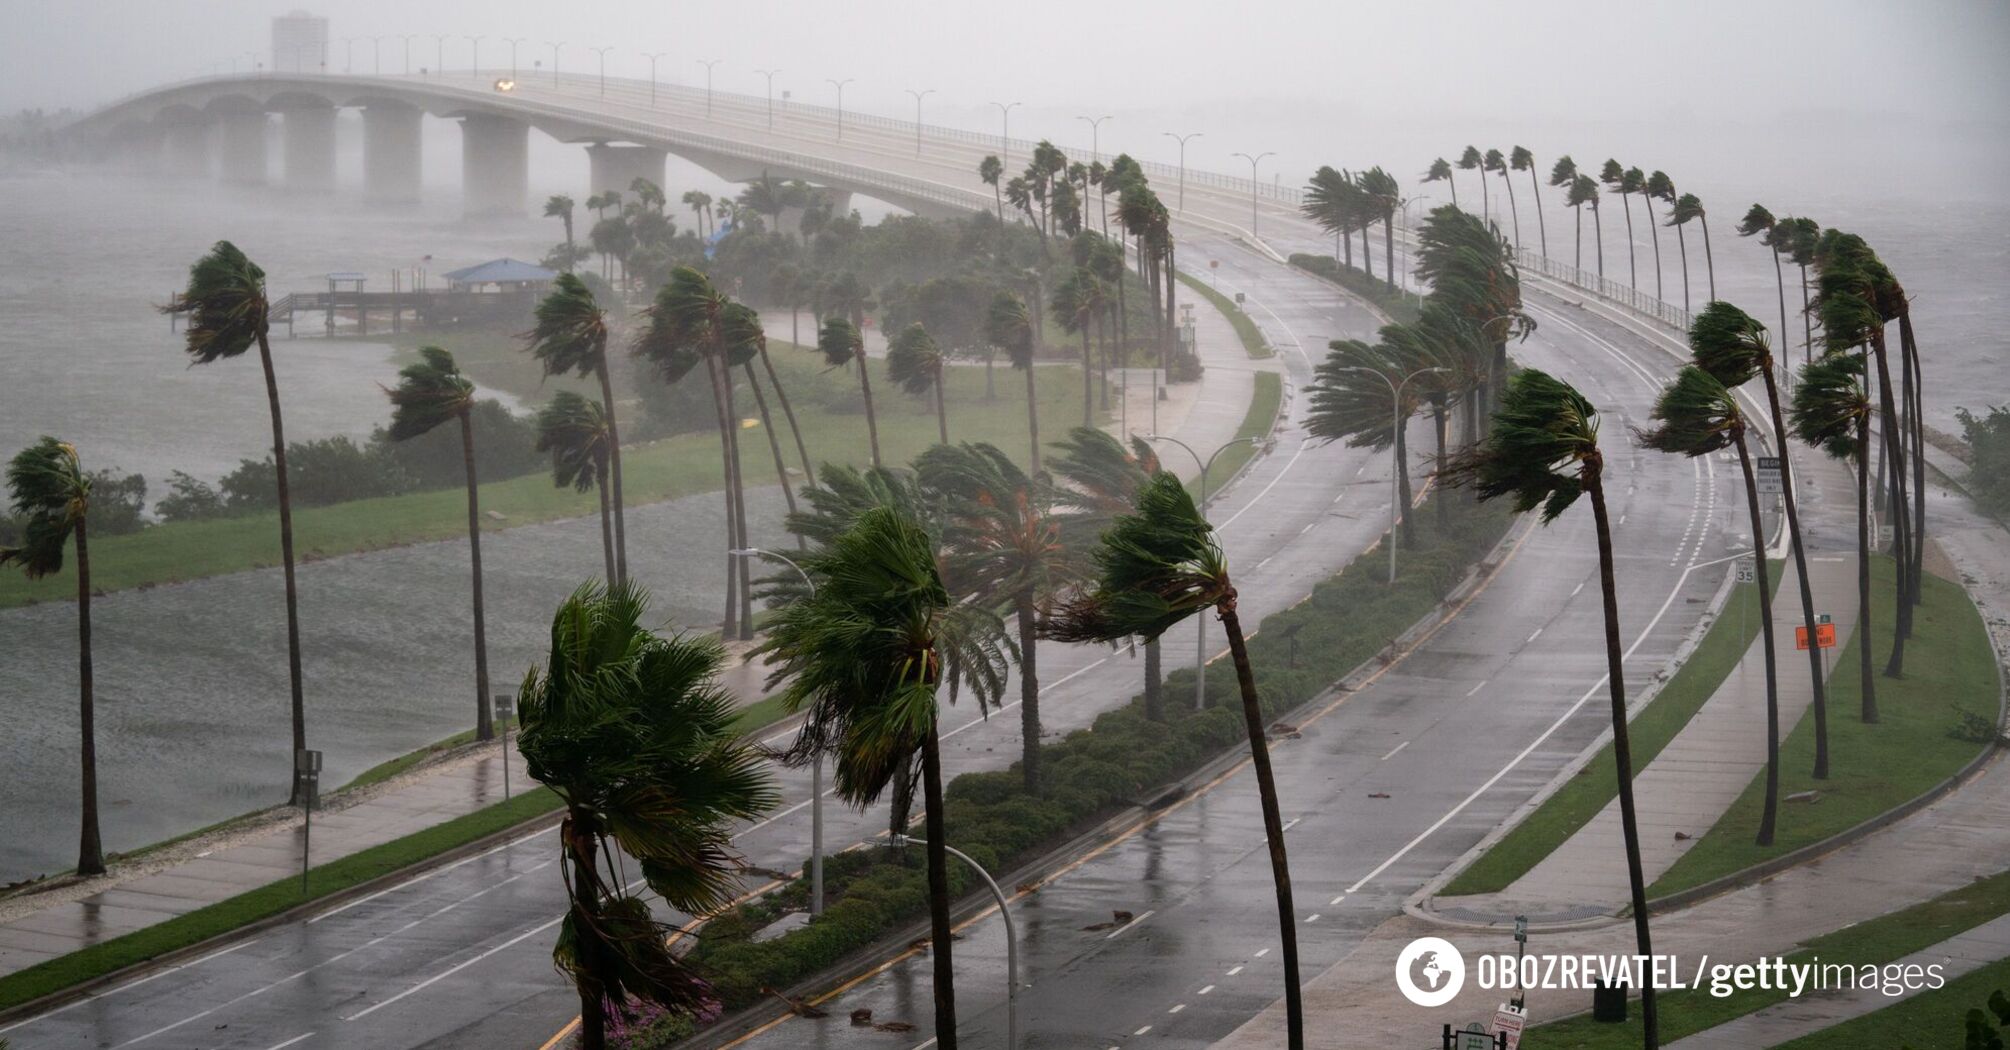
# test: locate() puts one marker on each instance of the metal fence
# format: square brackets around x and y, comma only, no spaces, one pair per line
[1605,288]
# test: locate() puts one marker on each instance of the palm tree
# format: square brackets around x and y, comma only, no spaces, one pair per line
[1614,178]
[634,734]
[430,392]
[1003,535]
[1662,188]
[700,204]
[693,323]
[1759,220]
[991,169]
[1155,567]
[1007,327]
[1441,171]
[1564,174]
[1076,302]
[559,206]
[1798,239]
[1333,200]
[1471,160]
[1632,182]
[228,314]
[571,336]
[1584,191]
[574,431]
[864,658]
[1698,416]
[1832,412]
[1102,481]
[915,363]
[1471,271]
[52,493]
[1386,195]
[1543,451]
[1520,159]
[842,345]
[1732,346]
[1351,398]
[1494,161]
[1688,207]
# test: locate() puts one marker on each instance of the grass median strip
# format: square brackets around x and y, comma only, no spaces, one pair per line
[1928,1019]
[1253,342]
[1256,423]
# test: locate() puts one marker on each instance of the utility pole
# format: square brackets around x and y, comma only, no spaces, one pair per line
[475,56]
[555,45]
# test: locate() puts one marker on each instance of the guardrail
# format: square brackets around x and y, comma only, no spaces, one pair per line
[1605,288]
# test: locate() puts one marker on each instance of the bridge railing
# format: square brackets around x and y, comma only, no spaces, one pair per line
[1605,288]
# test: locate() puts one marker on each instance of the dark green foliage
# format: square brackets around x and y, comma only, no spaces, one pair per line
[430,392]
[189,499]
[1155,567]
[52,494]
[325,471]
[1729,343]
[1400,305]
[1989,445]
[573,429]
[1696,416]
[1830,403]
[914,361]
[225,301]
[1544,436]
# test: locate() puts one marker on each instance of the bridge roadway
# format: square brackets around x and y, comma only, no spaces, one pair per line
[1457,736]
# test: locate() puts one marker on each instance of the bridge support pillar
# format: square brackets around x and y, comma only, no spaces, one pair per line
[617,167]
[391,153]
[495,165]
[241,148]
[310,148]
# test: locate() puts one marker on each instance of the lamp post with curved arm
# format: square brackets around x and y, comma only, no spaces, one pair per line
[1395,446]
[918,96]
[1200,634]
[1005,133]
[1095,135]
[1253,162]
[602,52]
[1181,139]
[440,53]
[839,85]
[554,45]
[513,41]
[816,758]
[652,56]
[708,63]
[770,74]
[474,55]
[1011,937]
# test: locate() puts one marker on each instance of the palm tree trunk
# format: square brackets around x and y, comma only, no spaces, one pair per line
[1367,255]
[729,625]
[1273,822]
[1103,356]
[1632,264]
[1622,751]
[788,412]
[942,935]
[1171,279]
[1029,694]
[1709,257]
[1536,187]
[1389,247]
[1654,234]
[1088,379]
[1513,209]
[1402,452]
[1915,394]
[1453,182]
[614,461]
[1768,818]
[1894,447]
[941,407]
[1154,684]
[1682,242]
[606,520]
[774,439]
[286,555]
[744,566]
[1123,319]
[1821,703]
[1598,231]
[1439,424]
[1033,415]
[1808,322]
[1869,680]
[586,905]
[865,389]
[1578,264]
[90,850]
[484,724]
[1780,283]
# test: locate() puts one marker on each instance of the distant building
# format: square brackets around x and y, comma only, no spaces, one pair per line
[299,43]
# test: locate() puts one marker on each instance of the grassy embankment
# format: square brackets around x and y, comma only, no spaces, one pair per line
[1253,343]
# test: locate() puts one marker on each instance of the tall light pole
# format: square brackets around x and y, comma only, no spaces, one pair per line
[816,758]
[554,45]
[1011,936]
[839,85]
[652,56]
[376,56]
[1005,133]
[1253,162]
[918,96]
[602,52]
[1095,135]
[513,41]
[349,54]
[1395,465]
[475,55]
[408,38]
[708,63]
[1182,140]
[770,74]
[1200,634]
[440,53]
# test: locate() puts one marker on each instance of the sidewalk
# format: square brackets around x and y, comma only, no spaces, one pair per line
[1681,794]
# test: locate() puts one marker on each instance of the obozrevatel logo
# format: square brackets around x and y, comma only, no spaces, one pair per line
[1430,972]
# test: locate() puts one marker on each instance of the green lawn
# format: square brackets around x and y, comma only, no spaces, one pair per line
[1927,1020]
[1950,668]
[1245,329]
[1575,803]
[1875,941]
[660,470]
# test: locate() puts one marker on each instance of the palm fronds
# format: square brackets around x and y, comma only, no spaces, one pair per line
[225,303]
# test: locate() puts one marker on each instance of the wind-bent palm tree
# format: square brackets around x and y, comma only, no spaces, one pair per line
[1077,301]
[1004,541]
[635,736]
[574,431]
[1496,162]
[571,336]
[1697,415]
[1583,191]
[1351,398]
[864,658]
[991,170]
[1156,567]
[1635,182]
[1687,207]
[1333,200]
[1832,412]
[1520,159]
[1471,160]
[1007,327]
[52,493]
[1662,188]
[1758,220]
[1386,195]
[559,206]
[1798,239]
[1615,179]
[228,314]
[1102,479]
[915,363]
[842,346]
[1564,175]
[700,204]
[1732,346]
[1543,451]
[1441,171]
[432,391]
[692,323]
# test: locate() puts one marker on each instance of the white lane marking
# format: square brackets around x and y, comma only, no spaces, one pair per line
[1533,637]
[511,844]
[1143,1030]
[1477,688]
[1579,589]
[1292,823]
[443,975]
[1177,1009]
[1126,928]
[290,1042]
[1335,902]
[1360,470]
[1314,918]
[1205,990]
[1393,750]
[109,992]
[1264,562]
[1258,498]
[1307,528]
[1261,954]
[1234,971]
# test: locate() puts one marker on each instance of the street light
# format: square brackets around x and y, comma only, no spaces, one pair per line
[839,85]
[770,74]
[503,706]
[652,56]
[1200,622]
[1395,465]
[816,757]
[349,54]
[602,52]
[376,56]
[554,45]
[1011,936]
[1253,162]
[513,41]
[1095,132]
[408,38]
[1181,139]
[1005,133]
[440,53]
[918,96]
[708,63]
[475,56]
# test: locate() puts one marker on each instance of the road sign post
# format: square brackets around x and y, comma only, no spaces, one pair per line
[505,706]
[1769,476]
[307,784]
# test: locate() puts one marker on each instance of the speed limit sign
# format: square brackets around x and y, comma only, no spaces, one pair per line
[1747,573]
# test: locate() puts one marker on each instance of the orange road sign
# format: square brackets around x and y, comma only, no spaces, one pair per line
[1825,636]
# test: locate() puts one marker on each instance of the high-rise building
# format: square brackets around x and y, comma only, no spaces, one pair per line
[299,43]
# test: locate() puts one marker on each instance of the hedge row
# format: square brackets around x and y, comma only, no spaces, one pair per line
[1398,304]
[1093,773]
